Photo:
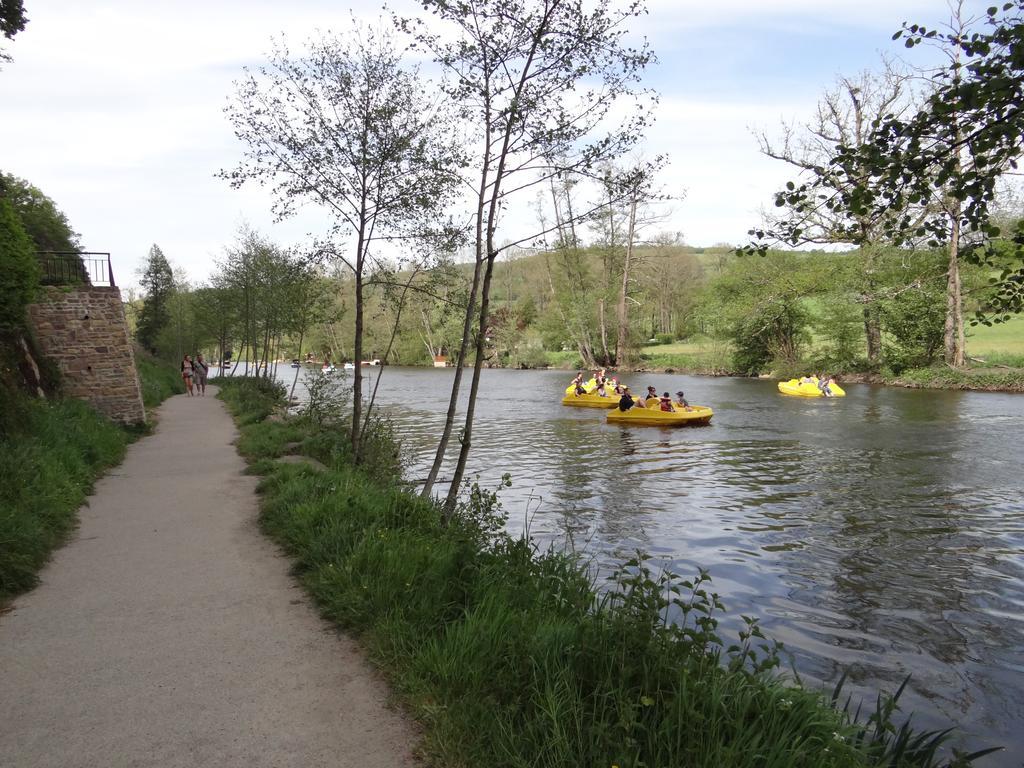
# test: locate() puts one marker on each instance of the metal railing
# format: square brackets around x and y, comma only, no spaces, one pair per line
[76,268]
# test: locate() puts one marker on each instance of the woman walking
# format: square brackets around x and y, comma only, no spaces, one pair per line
[186,373]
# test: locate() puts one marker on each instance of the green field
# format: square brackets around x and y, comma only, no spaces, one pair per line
[1001,344]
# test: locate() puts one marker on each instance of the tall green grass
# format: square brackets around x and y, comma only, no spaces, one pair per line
[159,380]
[49,463]
[516,657]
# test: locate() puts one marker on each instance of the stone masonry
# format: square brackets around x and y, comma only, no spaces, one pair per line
[83,329]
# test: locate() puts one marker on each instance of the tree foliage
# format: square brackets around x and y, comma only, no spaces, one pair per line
[19,269]
[347,127]
[536,81]
[157,282]
[12,21]
[44,222]
[960,142]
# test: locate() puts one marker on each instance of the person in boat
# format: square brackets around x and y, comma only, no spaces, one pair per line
[665,402]
[681,401]
[626,401]
[645,400]
[578,381]
[617,387]
[806,380]
[823,384]
[599,377]
[602,391]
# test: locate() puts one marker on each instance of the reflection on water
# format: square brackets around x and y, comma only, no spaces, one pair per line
[880,533]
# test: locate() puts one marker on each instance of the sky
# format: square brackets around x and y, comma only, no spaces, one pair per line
[115,109]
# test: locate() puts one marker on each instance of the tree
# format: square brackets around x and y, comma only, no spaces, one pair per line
[19,269]
[957,145]
[12,21]
[44,222]
[348,128]
[844,118]
[157,282]
[537,80]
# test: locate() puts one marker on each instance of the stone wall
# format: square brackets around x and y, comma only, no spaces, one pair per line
[83,329]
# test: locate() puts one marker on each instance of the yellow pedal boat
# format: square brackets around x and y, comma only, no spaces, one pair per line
[591,385]
[591,400]
[655,417]
[795,388]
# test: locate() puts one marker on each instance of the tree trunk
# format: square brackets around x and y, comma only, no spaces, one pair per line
[872,331]
[620,346]
[467,433]
[953,352]
[467,330]
[605,356]
[357,376]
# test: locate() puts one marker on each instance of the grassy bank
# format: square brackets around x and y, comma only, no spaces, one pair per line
[49,463]
[51,453]
[513,657]
[159,380]
[975,378]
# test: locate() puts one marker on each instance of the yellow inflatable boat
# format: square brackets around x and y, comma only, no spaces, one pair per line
[795,388]
[655,417]
[591,400]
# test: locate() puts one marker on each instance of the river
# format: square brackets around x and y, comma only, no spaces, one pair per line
[881,533]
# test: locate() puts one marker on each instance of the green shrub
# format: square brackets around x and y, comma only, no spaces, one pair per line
[159,380]
[251,398]
[49,465]
[19,269]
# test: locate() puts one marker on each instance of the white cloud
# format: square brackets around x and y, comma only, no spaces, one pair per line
[114,109]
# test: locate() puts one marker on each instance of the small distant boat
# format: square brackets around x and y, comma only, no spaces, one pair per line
[350,366]
[296,363]
[327,369]
[809,389]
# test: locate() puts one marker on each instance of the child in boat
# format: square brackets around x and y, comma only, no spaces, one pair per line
[681,401]
[617,387]
[626,401]
[823,385]
[665,402]
[806,380]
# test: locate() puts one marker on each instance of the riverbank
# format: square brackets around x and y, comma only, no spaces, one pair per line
[514,657]
[51,454]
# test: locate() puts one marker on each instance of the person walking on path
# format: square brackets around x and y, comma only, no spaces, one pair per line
[201,370]
[187,372]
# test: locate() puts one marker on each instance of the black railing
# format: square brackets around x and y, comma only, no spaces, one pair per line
[76,268]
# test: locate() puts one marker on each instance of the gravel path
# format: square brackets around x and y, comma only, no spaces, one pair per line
[169,633]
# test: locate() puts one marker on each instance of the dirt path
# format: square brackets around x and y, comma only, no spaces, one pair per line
[168,632]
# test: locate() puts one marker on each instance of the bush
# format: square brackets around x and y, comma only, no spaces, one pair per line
[49,465]
[158,379]
[914,324]
[19,269]
[663,338]
[251,398]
